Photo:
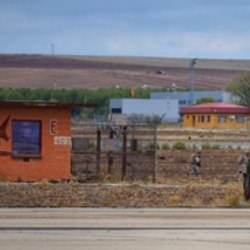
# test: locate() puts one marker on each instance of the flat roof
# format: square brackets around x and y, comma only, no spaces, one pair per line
[52,103]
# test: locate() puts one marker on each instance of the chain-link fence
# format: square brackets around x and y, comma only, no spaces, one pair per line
[136,153]
[121,152]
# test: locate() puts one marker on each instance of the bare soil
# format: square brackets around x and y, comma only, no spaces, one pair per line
[35,71]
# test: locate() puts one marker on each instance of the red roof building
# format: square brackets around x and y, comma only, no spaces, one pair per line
[216,115]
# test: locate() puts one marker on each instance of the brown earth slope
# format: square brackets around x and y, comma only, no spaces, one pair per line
[35,71]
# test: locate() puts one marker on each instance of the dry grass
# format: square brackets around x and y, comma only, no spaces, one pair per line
[197,192]
[175,200]
[174,192]
[108,178]
[192,191]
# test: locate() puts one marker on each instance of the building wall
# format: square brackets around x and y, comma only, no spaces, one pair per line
[168,108]
[184,96]
[222,121]
[54,162]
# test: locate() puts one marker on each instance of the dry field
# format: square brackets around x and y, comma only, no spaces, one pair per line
[35,71]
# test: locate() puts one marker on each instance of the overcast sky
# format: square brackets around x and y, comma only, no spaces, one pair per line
[163,28]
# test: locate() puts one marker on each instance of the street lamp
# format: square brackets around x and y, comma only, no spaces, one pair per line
[191,79]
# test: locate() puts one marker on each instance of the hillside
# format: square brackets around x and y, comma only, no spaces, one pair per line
[35,71]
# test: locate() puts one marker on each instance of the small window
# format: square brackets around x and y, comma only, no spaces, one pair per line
[222,118]
[116,111]
[187,117]
[26,138]
[240,119]
[182,102]
[202,118]
[208,118]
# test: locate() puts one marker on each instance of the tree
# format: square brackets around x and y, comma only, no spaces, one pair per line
[205,100]
[240,89]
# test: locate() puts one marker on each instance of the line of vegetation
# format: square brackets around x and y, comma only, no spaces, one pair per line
[181,145]
[100,97]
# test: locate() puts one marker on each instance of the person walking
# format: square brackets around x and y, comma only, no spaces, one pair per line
[195,163]
[244,169]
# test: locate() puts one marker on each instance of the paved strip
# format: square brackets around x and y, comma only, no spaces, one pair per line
[122,229]
[124,218]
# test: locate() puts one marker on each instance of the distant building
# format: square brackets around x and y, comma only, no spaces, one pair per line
[167,108]
[216,115]
[183,97]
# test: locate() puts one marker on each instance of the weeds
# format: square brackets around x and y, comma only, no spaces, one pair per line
[175,200]
[179,145]
[233,201]
[165,146]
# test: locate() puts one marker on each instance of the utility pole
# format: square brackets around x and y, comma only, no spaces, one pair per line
[191,80]
[52,48]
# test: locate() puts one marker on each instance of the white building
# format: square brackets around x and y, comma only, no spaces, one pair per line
[183,97]
[162,107]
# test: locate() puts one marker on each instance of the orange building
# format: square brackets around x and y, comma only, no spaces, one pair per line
[35,141]
[216,115]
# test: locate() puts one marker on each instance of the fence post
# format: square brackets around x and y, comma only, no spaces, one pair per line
[110,161]
[124,152]
[98,151]
[155,153]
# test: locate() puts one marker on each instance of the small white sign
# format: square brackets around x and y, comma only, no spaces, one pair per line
[62,140]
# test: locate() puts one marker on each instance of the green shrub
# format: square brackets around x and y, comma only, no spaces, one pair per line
[206,146]
[165,146]
[179,145]
[216,146]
